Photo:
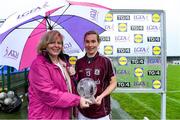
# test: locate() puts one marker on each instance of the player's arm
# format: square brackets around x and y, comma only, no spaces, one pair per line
[108,90]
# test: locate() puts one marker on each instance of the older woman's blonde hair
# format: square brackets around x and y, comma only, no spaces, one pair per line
[46,39]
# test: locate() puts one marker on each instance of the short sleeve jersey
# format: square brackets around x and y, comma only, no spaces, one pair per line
[100,70]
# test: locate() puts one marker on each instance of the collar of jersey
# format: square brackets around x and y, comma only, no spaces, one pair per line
[93,58]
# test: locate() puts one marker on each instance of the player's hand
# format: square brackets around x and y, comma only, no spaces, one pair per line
[98,100]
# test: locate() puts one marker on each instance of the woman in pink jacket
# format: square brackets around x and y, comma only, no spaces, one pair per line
[50,87]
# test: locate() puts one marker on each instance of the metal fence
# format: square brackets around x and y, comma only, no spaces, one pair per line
[11,79]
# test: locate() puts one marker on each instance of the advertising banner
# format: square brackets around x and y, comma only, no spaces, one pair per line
[135,41]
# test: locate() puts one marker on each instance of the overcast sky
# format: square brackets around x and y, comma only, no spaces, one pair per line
[171,7]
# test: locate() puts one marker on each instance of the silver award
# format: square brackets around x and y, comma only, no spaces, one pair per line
[87,88]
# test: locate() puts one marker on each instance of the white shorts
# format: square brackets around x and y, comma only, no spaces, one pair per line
[82,117]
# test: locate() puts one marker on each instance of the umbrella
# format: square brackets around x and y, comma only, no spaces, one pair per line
[21,32]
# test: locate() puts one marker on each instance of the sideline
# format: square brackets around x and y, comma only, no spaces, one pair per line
[118,112]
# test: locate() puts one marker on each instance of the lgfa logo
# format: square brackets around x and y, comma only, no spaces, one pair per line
[122,61]
[109,27]
[140,17]
[109,17]
[153,61]
[122,38]
[152,28]
[141,50]
[122,27]
[156,17]
[10,53]
[34,10]
[156,50]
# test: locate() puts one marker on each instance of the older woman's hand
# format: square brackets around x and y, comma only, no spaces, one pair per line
[84,103]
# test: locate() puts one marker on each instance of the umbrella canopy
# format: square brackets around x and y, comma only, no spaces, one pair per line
[21,32]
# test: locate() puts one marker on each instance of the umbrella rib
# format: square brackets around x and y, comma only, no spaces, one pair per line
[60,16]
[64,21]
[30,28]
[59,28]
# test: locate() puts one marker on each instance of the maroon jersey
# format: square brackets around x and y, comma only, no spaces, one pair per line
[100,69]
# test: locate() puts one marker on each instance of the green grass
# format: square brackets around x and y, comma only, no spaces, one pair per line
[139,105]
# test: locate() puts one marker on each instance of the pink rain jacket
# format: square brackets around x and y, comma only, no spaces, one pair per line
[48,93]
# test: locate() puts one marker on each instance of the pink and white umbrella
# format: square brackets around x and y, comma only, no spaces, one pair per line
[21,32]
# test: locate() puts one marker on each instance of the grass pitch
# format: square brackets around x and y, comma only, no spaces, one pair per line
[140,105]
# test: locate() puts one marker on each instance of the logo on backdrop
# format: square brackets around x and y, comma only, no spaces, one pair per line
[141,50]
[153,39]
[140,84]
[105,38]
[137,28]
[153,61]
[137,61]
[138,72]
[109,27]
[123,17]
[122,61]
[123,50]
[156,84]
[122,38]
[156,17]
[154,72]
[109,17]
[123,72]
[108,50]
[152,28]
[72,60]
[138,38]
[123,84]
[156,50]
[122,27]
[140,18]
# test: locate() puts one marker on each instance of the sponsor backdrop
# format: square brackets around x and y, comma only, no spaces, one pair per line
[135,41]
